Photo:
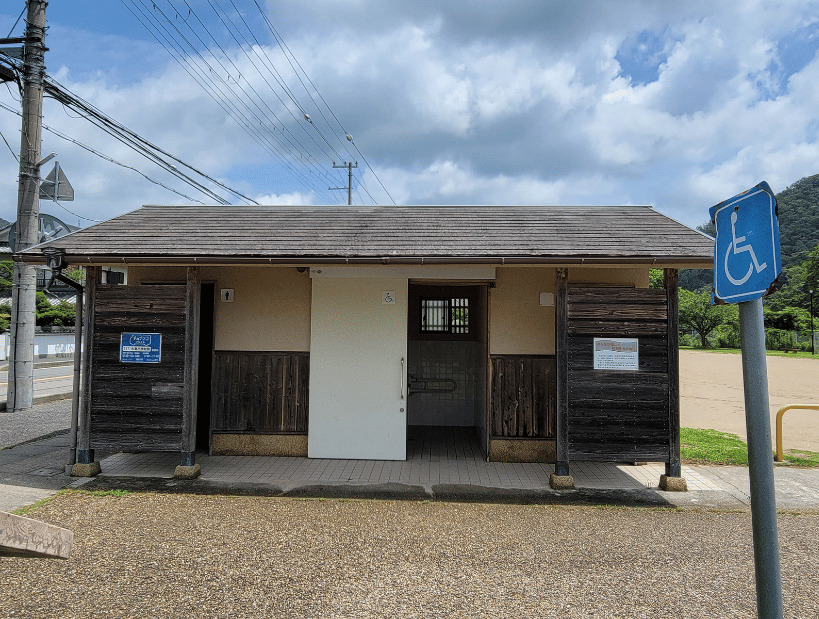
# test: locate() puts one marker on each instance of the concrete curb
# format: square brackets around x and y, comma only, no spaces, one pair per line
[411,492]
[43,364]
[43,399]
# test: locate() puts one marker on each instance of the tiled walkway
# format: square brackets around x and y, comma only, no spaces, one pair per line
[455,460]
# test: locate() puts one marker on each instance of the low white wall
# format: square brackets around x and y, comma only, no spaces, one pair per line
[46,345]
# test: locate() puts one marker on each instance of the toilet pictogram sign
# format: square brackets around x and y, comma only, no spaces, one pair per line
[746,251]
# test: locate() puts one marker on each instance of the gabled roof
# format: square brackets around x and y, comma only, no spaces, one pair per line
[386,234]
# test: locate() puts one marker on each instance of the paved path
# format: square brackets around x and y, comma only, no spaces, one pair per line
[42,420]
[36,469]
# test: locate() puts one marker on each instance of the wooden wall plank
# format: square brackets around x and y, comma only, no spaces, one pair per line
[140,406]
[618,415]
[522,398]
[262,392]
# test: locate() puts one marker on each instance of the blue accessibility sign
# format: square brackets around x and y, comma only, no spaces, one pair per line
[140,347]
[747,259]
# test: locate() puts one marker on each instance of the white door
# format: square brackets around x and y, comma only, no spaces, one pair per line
[358,351]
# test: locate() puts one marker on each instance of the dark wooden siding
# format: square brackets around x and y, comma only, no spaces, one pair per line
[260,392]
[617,415]
[523,396]
[137,406]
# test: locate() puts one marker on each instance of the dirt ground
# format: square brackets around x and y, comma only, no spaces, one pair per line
[711,395]
[151,555]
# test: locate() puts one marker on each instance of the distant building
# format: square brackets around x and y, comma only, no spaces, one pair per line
[50,228]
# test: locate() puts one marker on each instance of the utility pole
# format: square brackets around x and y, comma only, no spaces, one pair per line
[349,186]
[21,358]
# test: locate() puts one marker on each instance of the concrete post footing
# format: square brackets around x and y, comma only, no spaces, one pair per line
[92,469]
[673,484]
[187,472]
[561,482]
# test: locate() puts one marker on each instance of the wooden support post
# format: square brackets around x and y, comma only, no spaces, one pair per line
[673,468]
[85,455]
[188,467]
[562,363]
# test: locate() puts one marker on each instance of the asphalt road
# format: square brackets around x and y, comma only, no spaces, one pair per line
[47,380]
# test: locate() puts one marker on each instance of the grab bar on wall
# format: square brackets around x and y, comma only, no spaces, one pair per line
[431,385]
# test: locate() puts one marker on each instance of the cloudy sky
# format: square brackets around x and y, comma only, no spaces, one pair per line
[674,104]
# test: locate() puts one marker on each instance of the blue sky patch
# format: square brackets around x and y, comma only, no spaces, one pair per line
[640,56]
[793,53]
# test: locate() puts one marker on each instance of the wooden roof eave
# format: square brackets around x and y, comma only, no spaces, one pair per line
[682,262]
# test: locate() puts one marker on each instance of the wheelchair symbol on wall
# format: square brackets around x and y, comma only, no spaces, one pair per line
[737,247]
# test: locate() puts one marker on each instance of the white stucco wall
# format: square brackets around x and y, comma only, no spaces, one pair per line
[518,324]
[270,310]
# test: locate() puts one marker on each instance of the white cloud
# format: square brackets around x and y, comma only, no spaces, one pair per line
[481,102]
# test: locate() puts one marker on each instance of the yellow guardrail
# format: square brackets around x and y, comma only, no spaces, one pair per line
[779,415]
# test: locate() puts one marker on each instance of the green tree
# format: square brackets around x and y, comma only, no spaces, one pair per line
[6,275]
[787,319]
[697,313]
[5,317]
[699,279]
[656,278]
[62,314]
[796,282]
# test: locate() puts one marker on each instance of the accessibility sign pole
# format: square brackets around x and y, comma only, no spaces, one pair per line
[747,264]
[760,462]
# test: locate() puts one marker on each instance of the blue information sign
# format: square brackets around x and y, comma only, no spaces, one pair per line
[746,252]
[140,347]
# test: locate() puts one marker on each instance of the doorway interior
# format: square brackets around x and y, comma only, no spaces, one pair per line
[446,368]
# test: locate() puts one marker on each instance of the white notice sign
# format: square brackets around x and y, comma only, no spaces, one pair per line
[616,353]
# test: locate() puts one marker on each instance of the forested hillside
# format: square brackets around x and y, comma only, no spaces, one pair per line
[798,229]
[799,219]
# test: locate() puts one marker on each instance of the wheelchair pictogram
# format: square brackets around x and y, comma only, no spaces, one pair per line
[747,259]
[737,247]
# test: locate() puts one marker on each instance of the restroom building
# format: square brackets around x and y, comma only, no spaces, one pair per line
[343,332]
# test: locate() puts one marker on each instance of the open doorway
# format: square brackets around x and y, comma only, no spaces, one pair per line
[446,370]
[206,315]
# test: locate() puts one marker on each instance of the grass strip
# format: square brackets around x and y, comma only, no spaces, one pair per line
[699,446]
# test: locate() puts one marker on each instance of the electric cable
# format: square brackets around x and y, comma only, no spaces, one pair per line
[135,141]
[103,156]
[25,6]
[11,150]
[277,37]
[203,72]
[249,97]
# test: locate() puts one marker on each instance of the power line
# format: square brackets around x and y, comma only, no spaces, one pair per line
[277,37]
[151,151]
[208,73]
[103,156]
[11,150]
[19,17]
[70,212]
[178,27]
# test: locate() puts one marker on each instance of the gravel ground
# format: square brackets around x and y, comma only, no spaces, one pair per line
[40,420]
[185,555]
